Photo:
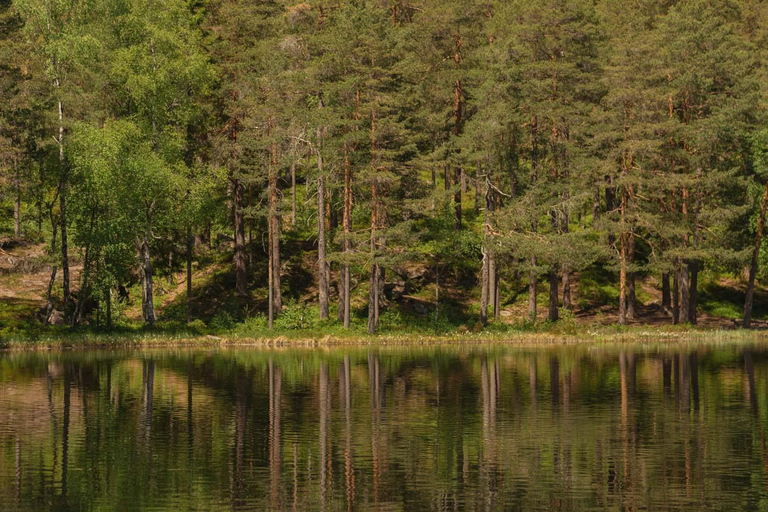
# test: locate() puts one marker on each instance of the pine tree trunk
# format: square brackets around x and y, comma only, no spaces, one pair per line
[496,294]
[484,289]
[685,283]
[666,298]
[147,296]
[239,227]
[322,264]
[293,194]
[17,201]
[457,198]
[676,297]
[566,272]
[190,246]
[624,237]
[532,290]
[63,208]
[685,297]
[52,280]
[270,291]
[693,293]
[344,291]
[755,257]
[553,296]
[631,297]
[373,294]
[274,232]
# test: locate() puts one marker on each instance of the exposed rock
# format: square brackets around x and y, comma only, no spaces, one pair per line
[57,317]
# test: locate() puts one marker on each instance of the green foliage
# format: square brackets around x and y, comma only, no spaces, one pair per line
[599,137]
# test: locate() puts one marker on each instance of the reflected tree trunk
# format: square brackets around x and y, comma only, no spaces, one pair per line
[554,379]
[275,445]
[324,400]
[65,436]
[349,467]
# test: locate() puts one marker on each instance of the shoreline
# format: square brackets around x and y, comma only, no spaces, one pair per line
[585,335]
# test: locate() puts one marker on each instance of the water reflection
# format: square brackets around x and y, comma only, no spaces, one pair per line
[464,428]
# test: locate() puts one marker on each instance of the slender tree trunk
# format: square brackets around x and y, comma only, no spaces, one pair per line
[274,231]
[685,293]
[239,226]
[457,198]
[532,276]
[484,277]
[190,246]
[322,264]
[623,256]
[17,200]
[676,297]
[373,294]
[63,207]
[755,256]
[293,194]
[496,294]
[631,297]
[270,292]
[52,280]
[344,288]
[147,298]
[685,283]
[566,271]
[666,298]
[553,296]
[693,293]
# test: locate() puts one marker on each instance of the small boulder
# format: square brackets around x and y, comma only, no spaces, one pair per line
[56,318]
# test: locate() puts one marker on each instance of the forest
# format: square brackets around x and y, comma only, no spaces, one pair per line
[369,164]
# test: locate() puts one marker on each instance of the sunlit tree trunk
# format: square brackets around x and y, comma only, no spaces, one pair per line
[190,246]
[147,280]
[755,256]
[62,192]
[274,231]
[344,288]
[239,227]
[322,264]
[631,297]
[374,291]
[52,280]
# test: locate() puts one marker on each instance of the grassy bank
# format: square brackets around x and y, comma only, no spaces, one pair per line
[253,334]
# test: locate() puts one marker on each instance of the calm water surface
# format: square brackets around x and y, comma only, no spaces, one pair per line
[625,427]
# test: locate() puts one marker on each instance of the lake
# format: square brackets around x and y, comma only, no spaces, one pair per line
[499,427]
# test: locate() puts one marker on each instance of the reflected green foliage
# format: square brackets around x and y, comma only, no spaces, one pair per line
[604,427]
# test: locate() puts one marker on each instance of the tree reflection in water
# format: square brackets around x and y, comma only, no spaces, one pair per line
[497,428]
